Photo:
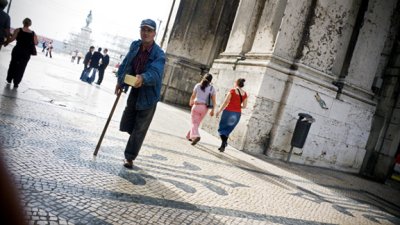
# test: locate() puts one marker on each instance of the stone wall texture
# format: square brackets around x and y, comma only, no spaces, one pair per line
[290,52]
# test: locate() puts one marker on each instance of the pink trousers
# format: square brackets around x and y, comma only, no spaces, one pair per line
[197,113]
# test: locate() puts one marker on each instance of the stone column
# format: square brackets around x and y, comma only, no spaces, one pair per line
[290,53]
[198,36]
[314,37]
[244,27]
[264,85]
[384,141]
[317,33]
[390,143]
[269,25]
[370,44]
[298,50]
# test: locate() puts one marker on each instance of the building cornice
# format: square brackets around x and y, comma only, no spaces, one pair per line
[268,60]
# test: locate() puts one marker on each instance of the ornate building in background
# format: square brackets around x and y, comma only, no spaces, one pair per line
[292,54]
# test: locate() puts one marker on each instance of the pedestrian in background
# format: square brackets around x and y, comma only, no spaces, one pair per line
[4,23]
[79,57]
[198,102]
[44,45]
[49,49]
[21,53]
[104,63]
[231,109]
[86,61]
[94,65]
[146,61]
[73,55]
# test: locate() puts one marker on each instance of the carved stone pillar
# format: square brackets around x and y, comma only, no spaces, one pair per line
[370,44]
[268,26]
[299,48]
[244,27]
[198,36]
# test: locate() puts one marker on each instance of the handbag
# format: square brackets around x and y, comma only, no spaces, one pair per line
[33,48]
[209,102]
[33,51]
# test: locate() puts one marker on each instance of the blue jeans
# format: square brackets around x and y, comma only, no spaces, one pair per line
[84,74]
[228,122]
[91,78]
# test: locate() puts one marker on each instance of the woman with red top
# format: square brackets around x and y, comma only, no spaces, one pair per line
[235,100]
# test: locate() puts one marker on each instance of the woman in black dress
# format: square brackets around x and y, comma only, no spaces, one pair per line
[21,53]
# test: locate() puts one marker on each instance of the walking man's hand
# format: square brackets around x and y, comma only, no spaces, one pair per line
[118,89]
[139,81]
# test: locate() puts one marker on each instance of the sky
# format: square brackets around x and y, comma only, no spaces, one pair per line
[56,19]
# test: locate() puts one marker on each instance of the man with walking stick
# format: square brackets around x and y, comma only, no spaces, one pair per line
[145,60]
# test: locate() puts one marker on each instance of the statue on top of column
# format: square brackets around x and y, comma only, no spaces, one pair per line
[89,19]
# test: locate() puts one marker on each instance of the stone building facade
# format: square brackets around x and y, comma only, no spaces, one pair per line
[337,60]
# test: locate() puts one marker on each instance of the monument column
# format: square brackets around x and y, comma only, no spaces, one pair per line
[82,41]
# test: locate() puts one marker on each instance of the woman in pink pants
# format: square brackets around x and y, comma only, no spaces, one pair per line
[198,102]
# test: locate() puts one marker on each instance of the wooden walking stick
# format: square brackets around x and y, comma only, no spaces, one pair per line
[108,122]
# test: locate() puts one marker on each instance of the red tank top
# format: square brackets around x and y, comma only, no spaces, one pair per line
[235,104]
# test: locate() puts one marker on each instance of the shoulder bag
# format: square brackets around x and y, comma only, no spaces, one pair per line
[209,102]
[33,48]
[241,100]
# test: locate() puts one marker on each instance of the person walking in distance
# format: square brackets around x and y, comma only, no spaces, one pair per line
[21,53]
[79,57]
[50,49]
[44,45]
[74,54]
[86,61]
[93,65]
[4,23]
[104,63]
[145,60]
[198,102]
[231,108]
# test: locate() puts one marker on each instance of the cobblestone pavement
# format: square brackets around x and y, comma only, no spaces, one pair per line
[49,128]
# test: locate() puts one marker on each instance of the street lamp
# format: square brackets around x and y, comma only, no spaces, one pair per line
[159,25]
[167,25]
[8,9]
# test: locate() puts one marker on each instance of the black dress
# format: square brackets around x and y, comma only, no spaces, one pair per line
[20,56]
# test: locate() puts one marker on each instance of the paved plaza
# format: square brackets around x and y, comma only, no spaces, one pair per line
[49,129]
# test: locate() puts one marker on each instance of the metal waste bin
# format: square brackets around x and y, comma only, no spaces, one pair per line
[300,133]
[301,130]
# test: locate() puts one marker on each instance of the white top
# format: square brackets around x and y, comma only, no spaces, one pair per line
[201,96]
